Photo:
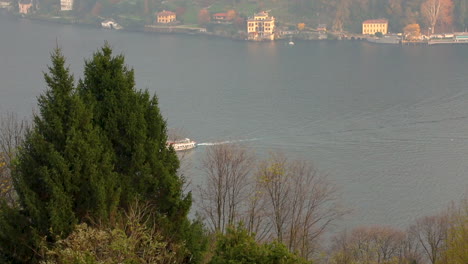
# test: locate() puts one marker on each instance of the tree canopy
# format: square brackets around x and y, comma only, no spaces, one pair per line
[92,151]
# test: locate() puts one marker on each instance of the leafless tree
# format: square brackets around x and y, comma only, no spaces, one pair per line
[369,245]
[225,194]
[341,249]
[388,242]
[12,132]
[410,251]
[437,11]
[256,215]
[301,202]
[431,233]
[342,8]
[276,186]
[285,200]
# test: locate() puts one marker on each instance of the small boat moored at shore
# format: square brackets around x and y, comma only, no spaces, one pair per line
[184,144]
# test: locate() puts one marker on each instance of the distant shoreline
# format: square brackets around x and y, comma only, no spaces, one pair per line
[148,29]
[145,29]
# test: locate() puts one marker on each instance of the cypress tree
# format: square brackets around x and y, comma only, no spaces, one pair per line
[136,134]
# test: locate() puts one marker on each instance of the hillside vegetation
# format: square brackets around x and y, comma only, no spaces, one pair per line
[338,15]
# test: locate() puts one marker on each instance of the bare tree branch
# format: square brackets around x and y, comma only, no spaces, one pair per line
[12,132]
[225,193]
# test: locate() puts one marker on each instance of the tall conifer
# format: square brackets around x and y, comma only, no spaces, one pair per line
[64,175]
[136,133]
[86,161]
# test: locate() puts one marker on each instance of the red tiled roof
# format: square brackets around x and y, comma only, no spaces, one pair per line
[220,14]
[166,13]
[375,21]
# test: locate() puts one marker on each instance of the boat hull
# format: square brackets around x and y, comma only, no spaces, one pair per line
[182,145]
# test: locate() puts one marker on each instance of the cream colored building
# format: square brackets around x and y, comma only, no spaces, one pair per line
[165,17]
[372,26]
[66,5]
[261,26]
[24,6]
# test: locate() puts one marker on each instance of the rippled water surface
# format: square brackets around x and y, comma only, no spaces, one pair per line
[388,124]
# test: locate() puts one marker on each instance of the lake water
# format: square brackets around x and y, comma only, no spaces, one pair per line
[388,124]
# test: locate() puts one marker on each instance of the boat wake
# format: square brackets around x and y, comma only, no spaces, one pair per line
[226,142]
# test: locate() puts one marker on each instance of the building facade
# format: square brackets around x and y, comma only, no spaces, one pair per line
[261,27]
[165,17]
[24,6]
[66,5]
[372,26]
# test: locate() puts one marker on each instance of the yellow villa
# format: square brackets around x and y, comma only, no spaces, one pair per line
[261,26]
[372,26]
[24,6]
[165,17]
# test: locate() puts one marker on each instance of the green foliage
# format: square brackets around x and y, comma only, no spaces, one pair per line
[63,173]
[237,246]
[135,244]
[196,240]
[136,134]
[88,163]
[456,250]
[16,236]
[133,238]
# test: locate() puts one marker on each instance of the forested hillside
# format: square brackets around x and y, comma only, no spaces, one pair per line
[347,15]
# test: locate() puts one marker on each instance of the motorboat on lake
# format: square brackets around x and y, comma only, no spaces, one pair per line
[184,144]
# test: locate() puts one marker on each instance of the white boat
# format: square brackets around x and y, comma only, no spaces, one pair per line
[184,144]
[291,43]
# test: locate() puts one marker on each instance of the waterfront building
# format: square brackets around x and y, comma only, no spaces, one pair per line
[460,37]
[25,6]
[261,26]
[372,26]
[219,17]
[66,5]
[165,17]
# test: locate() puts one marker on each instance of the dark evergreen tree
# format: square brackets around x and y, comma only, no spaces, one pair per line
[136,133]
[89,162]
[64,175]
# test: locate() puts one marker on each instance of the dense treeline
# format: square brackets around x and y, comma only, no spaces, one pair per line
[91,180]
[337,14]
[349,14]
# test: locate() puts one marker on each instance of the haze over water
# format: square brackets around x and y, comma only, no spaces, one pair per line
[388,124]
